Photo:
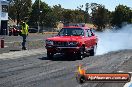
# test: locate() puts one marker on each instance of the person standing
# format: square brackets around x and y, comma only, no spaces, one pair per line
[24,34]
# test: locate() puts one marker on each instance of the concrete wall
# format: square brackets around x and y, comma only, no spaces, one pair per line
[0,14]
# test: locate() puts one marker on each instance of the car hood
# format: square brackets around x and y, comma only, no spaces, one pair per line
[65,38]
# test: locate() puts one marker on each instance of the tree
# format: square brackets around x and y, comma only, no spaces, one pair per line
[78,16]
[39,15]
[67,15]
[87,16]
[131,15]
[100,15]
[58,12]
[19,9]
[122,14]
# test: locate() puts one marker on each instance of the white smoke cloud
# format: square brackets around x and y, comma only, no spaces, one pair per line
[113,40]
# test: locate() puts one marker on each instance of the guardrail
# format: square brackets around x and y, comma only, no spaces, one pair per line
[49,32]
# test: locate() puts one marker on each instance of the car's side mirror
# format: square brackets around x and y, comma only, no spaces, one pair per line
[93,34]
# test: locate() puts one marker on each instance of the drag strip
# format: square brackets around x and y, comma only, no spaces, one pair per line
[37,71]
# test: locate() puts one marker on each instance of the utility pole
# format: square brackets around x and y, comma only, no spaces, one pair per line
[18,12]
[87,16]
[39,16]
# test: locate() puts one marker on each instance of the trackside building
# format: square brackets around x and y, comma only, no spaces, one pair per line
[4,17]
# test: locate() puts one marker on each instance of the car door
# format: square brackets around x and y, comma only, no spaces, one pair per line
[92,37]
[87,40]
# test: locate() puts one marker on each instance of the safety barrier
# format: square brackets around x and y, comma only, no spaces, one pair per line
[1,42]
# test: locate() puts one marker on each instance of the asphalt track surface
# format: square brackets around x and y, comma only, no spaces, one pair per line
[37,71]
[31,68]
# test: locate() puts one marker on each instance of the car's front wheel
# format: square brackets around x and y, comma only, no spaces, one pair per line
[93,50]
[50,55]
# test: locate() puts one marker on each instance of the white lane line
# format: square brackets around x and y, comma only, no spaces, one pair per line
[123,72]
[9,42]
[130,72]
[120,71]
[6,46]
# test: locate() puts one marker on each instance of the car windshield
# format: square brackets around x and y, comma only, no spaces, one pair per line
[71,32]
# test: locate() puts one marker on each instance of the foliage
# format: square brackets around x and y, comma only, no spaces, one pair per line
[122,14]
[100,15]
[40,12]
[19,9]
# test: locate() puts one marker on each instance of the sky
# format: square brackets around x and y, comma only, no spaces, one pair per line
[72,4]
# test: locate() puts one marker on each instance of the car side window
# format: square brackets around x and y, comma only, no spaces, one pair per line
[89,33]
[93,31]
[86,32]
[62,31]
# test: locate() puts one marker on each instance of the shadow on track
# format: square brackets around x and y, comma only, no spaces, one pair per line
[15,50]
[59,57]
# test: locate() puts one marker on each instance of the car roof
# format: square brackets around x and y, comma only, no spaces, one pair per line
[70,27]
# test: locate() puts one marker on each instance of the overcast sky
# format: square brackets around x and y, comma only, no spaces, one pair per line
[72,4]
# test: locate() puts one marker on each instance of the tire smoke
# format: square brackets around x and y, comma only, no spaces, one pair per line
[114,39]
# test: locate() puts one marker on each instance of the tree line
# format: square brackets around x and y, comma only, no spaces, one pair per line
[40,12]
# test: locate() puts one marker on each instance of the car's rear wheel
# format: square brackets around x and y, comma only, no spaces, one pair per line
[93,50]
[50,55]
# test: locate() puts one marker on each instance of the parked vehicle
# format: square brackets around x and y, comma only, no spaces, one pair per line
[32,30]
[15,30]
[76,40]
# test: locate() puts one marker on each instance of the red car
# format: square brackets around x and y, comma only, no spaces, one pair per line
[73,40]
[15,31]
